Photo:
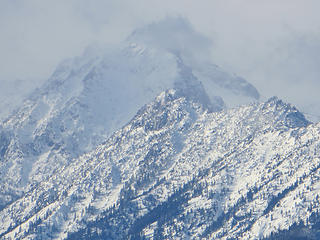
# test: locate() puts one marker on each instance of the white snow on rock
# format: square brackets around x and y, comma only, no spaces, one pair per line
[89,97]
[180,171]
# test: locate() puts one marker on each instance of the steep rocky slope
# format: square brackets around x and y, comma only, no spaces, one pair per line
[146,140]
[179,171]
[89,97]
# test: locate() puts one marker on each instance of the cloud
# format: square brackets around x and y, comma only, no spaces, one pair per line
[273,44]
[36,35]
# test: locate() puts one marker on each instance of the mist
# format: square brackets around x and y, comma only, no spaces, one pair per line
[273,44]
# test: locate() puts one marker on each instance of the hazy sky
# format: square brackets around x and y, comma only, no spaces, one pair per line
[274,44]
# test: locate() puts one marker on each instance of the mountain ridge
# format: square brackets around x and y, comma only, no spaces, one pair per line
[150,140]
[89,97]
[155,129]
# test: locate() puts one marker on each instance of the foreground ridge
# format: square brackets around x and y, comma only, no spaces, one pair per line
[178,171]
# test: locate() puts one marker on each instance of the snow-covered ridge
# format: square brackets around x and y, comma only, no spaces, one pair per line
[176,170]
[89,97]
[151,140]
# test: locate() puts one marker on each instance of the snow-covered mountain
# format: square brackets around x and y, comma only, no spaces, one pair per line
[89,97]
[176,171]
[146,140]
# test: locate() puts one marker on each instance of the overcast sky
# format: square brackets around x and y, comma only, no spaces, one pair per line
[274,44]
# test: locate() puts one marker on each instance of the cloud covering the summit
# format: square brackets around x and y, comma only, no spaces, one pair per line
[273,44]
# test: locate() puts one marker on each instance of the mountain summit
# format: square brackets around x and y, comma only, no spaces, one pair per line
[146,140]
[89,97]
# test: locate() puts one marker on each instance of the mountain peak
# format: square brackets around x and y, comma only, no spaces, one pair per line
[171,34]
[175,164]
[91,96]
[290,115]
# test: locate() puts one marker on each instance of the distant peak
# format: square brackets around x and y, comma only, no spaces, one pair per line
[172,34]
